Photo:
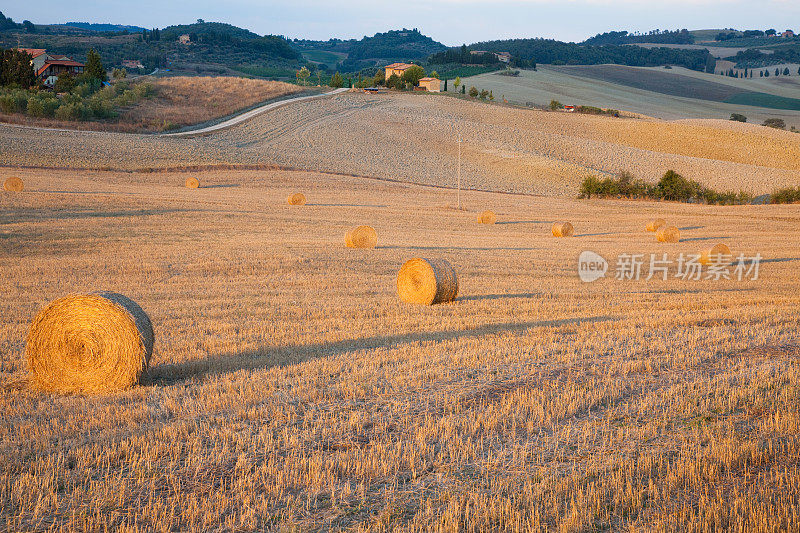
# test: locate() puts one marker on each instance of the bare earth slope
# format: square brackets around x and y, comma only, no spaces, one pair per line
[291,390]
[414,138]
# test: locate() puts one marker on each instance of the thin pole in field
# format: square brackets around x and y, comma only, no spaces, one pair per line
[458,193]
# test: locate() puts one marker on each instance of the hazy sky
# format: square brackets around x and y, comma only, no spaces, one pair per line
[449,21]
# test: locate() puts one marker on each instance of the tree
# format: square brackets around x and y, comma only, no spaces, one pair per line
[463,89]
[770,32]
[777,72]
[736,117]
[445,85]
[434,74]
[484,94]
[118,73]
[457,82]
[786,71]
[380,78]
[65,83]
[16,69]
[302,75]
[393,81]
[776,123]
[94,66]
[413,74]
[555,105]
[473,92]
[491,96]
[29,27]
[337,81]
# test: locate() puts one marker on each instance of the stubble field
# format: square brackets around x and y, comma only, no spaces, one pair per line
[291,390]
[414,138]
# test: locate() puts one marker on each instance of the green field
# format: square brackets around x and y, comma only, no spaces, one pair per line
[324,56]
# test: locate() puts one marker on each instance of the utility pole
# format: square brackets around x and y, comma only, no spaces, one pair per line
[458,193]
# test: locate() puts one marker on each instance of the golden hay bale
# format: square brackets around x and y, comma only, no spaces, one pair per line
[487,217]
[192,183]
[656,224]
[87,344]
[297,198]
[718,252]
[13,184]
[427,281]
[563,229]
[668,234]
[361,237]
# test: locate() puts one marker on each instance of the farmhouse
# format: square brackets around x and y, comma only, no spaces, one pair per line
[397,69]
[433,85]
[132,63]
[503,57]
[184,39]
[788,34]
[48,67]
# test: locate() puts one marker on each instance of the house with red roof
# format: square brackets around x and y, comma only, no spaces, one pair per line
[48,67]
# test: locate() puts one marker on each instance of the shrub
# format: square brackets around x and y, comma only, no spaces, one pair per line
[555,104]
[42,106]
[776,123]
[672,186]
[484,94]
[473,92]
[787,195]
[736,117]
[675,187]
[72,111]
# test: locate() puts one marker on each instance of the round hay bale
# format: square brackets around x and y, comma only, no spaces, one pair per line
[427,281]
[13,184]
[361,237]
[656,224]
[192,183]
[563,229]
[668,234]
[87,344]
[487,217]
[297,198]
[719,252]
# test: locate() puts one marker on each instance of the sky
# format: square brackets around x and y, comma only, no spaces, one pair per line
[451,22]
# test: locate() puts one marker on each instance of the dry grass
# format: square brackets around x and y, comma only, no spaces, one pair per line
[13,184]
[655,224]
[185,100]
[91,344]
[668,234]
[562,229]
[361,237]
[504,149]
[291,389]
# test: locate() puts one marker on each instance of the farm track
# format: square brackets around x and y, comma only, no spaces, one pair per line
[414,138]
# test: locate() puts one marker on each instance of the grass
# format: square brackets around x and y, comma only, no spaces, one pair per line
[769,101]
[291,389]
[184,101]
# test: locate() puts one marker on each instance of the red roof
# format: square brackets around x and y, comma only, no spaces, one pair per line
[62,62]
[33,52]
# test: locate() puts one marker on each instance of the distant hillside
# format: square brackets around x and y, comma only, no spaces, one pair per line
[92,26]
[395,45]
[552,52]
[655,36]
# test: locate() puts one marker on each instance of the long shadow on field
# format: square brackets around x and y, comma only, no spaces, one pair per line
[268,357]
[704,239]
[467,248]
[781,260]
[480,297]
[220,186]
[523,222]
[687,228]
[347,205]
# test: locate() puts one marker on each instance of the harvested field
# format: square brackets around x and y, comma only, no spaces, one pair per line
[567,85]
[183,101]
[291,389]
[504,149]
